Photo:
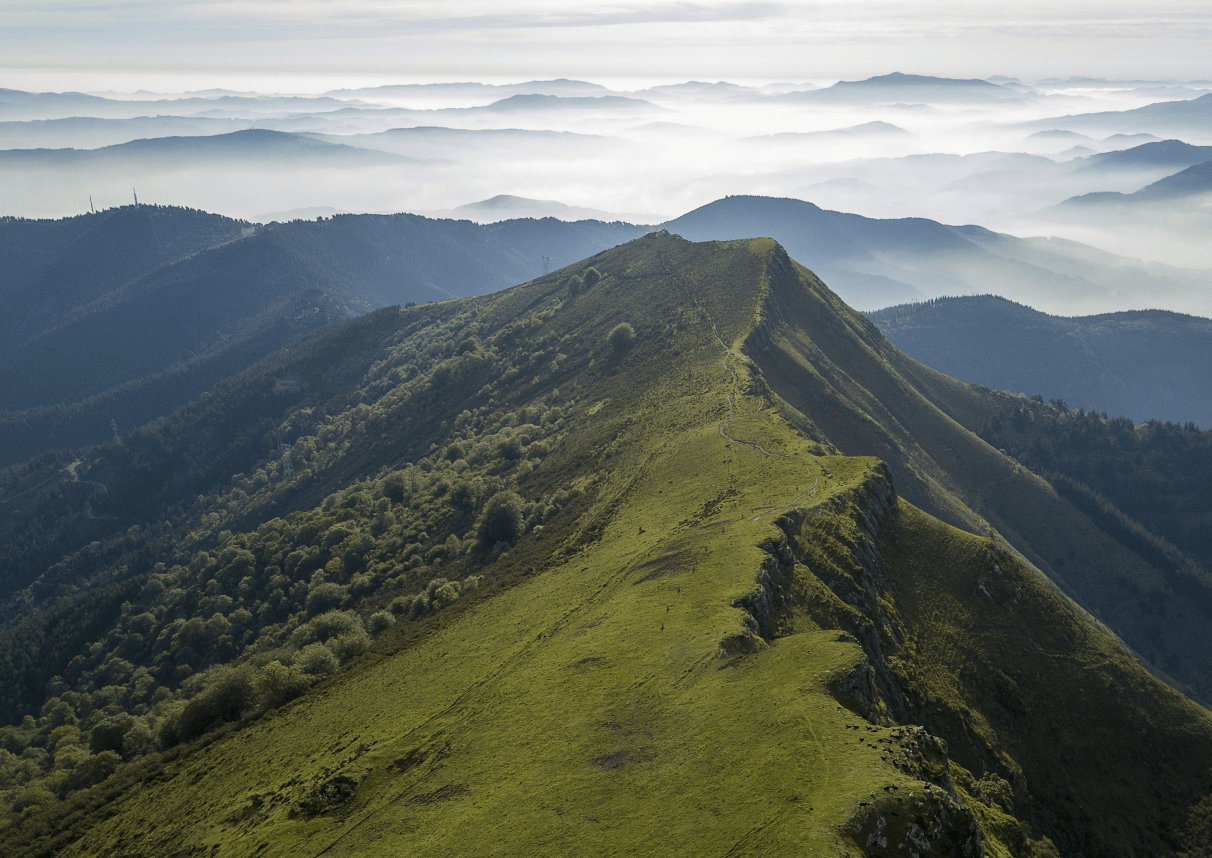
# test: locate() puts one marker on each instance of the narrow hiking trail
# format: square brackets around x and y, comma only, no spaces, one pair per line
[735,383]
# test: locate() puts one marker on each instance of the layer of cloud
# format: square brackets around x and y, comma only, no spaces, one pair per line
[822,38]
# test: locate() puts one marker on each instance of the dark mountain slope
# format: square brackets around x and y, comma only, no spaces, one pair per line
[868,398]
[699,627]
[395,259]
[99,326]
[175,313]
[50,266]
[1143,365]
[1150,485]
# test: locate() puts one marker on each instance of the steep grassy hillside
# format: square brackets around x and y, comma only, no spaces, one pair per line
[1145,365]
[634,589]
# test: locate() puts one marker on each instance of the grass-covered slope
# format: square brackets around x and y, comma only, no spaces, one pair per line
[833,366]
[726,638]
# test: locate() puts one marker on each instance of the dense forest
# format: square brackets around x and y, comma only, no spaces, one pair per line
[1148,484]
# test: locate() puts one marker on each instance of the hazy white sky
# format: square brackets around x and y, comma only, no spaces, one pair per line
[88,44]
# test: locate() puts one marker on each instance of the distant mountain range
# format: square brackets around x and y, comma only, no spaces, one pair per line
[1160,153]
[506,207]
[873,262]
[17,105]
[1143,365]
[897,87]
[251,146]
[1170,118]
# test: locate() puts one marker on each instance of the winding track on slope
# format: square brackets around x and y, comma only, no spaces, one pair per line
[728,396]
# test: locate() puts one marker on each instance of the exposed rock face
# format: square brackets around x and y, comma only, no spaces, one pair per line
[932,820]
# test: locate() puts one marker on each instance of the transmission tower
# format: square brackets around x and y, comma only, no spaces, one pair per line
[546,262]
[132,190]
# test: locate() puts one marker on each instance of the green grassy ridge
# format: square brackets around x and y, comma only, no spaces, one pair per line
[657,475]
[977,646]
[624,685]
[874,393]
[598,690]
[831,365]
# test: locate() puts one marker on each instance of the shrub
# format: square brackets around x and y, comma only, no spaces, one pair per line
[227,693]
[327,626]
[316,659]
[575,284]
[509,449]
[502,518]
[138,739]
[445,595]
[109,734]
[325,597]
[394,487]
[621,338]
[381,621]
[349,645]
[93,770]
[278,683]
[591,278]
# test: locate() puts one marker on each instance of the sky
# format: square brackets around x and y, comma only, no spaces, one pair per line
[310,45]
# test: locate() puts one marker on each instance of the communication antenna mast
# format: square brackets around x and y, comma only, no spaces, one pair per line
[546,262]
[132,190]
[90,204]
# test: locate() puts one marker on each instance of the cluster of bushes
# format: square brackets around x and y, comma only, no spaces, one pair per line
[437,595]
[578,283]
[252,624]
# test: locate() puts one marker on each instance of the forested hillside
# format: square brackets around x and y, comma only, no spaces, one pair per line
[127,314]
[1144,365]
[1149,484]
[673,521]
